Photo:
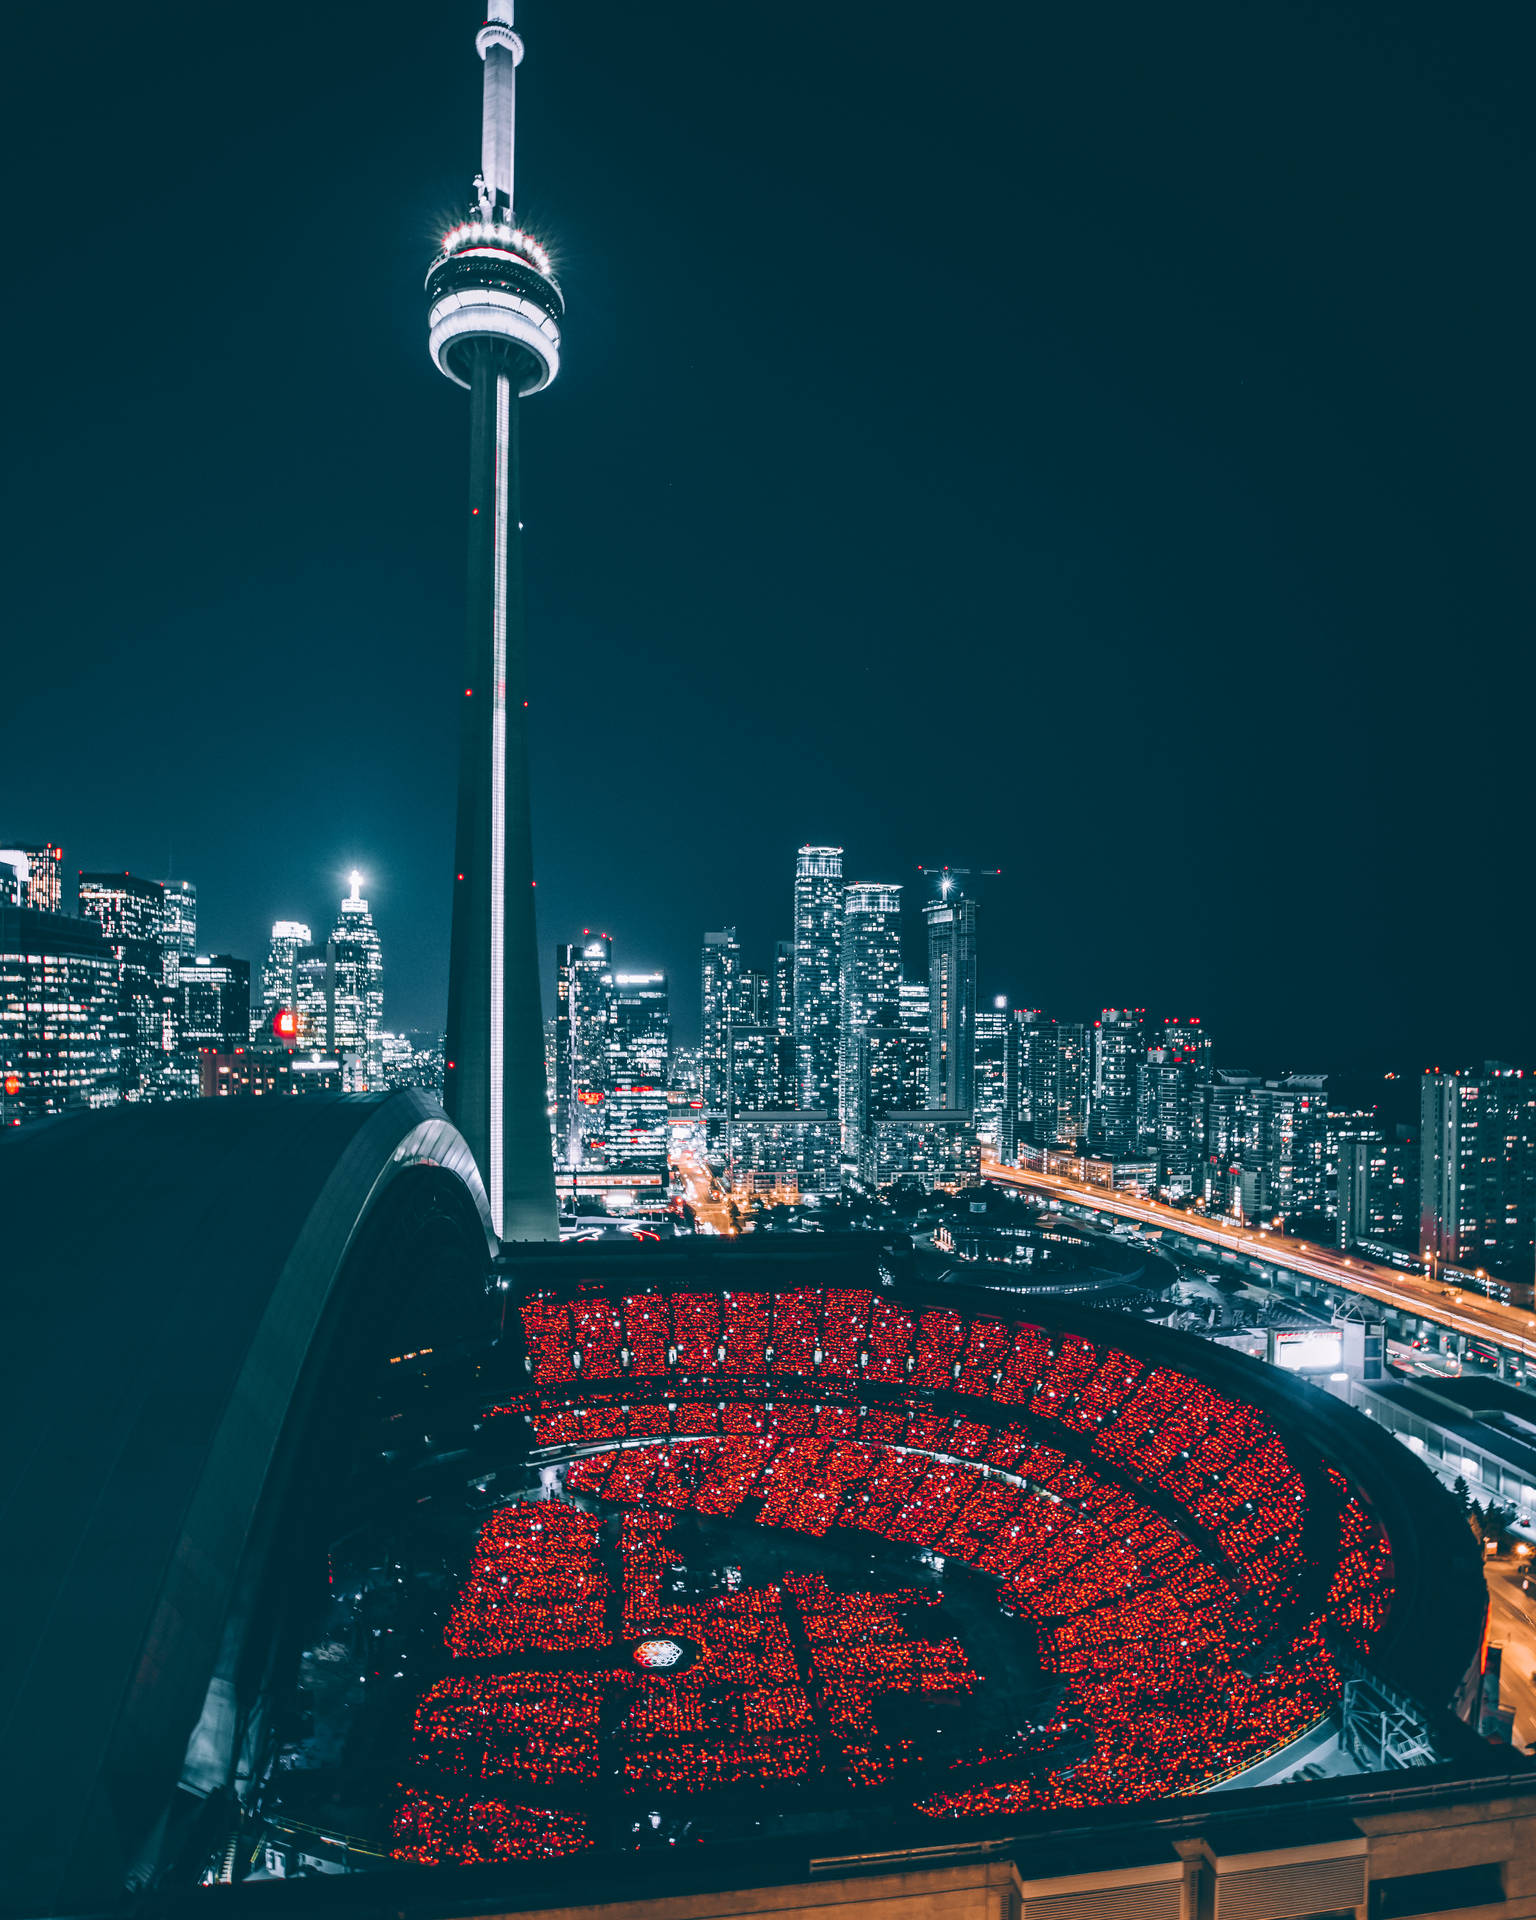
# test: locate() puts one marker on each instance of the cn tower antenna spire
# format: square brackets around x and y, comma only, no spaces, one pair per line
[494,327]
[501,50]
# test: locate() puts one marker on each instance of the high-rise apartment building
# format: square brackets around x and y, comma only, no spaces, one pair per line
[357,993]
[951,925]
[584,1025]
[1119,1043]
[752,1076]
[1290,1133]
[1056,1069]
[635,1127]
[784,1020]
[1477,1173]
[1074,1080]
[754,997]
[215,1004]
[279,978]
[131,915]
[640,1034]
[1035,1039]
[819,890]
[719,1006]
[912,1018]
[1361,1185]
[1166,1096]
[1230,1134]
[45,877]
[993,1028]
[869,986]
[881,1075]
[1188,1043]
[314,977]
[59,1013]
[178,932]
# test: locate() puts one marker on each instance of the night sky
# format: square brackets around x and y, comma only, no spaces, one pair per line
[1090,440]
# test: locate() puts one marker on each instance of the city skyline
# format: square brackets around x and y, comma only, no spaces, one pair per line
[1209,477]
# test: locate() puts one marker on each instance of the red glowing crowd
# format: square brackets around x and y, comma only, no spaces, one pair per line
[1153,1531]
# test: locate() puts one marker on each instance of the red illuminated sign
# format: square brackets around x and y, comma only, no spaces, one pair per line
[286,1024]
[13,1084]
[590,1098]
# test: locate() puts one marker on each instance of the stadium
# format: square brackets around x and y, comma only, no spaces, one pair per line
[829,1553]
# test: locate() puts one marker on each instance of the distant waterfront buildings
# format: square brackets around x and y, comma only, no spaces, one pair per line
[414,1059]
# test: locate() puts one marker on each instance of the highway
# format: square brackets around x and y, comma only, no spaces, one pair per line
[1512,1626]
[1513,1328]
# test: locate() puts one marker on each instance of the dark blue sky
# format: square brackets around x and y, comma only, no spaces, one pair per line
[1089,440]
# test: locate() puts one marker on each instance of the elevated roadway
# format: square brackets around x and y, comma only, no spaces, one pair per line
[1512,1328]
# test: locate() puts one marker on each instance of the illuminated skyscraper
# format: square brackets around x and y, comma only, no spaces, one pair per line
[754,997]
[215,1004]
[869,988]
[494,328]
[279,976]
[45,878]
[784,1020]
[584,1030]
[640,1043]
[357,989]
[131,914]
[751,1068]
[951,1001]
[178,934]
[993,1031]
[314,978]
[1119,1045]
[719,1006]
[912,1018]
[818,974]
[59,1013]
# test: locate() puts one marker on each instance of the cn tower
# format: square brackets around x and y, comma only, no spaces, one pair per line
[494,328]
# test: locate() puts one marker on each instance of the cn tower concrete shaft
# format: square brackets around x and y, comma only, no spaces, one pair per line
[494,326]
